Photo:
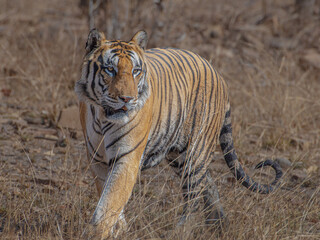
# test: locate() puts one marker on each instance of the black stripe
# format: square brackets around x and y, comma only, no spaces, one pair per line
[207,66]
[99,161]
[200,150]
[130,53]
[119,137]
[131,120]
[85,92]
[106,128]
[93,112]
[100,59]
[226,129]
[115,50]
[93,149]
[196,169]
[155,68]
[190,185]
[130,151]
[88,68]
[103,87]
[216,108]
[95,120]
[94,129]
[228,114]
[95,69]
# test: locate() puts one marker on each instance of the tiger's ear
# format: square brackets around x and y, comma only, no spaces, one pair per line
[94,40]
[141,39]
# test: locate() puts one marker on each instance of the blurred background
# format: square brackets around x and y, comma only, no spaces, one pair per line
[267,51]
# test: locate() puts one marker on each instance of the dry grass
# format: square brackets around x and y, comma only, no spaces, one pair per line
[263,52]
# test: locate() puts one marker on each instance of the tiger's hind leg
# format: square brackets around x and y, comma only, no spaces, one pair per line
[197,185]
[193,182]
[212,206]
[191,190]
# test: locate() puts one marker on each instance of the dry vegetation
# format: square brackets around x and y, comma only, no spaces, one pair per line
[268,52]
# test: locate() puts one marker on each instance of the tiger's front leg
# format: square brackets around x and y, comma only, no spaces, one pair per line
[115,194]
[122,168]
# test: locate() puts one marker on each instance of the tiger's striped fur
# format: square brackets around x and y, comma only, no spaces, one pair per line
[140,106]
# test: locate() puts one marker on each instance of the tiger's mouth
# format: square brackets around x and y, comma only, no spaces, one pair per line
[120,114]
[109,111]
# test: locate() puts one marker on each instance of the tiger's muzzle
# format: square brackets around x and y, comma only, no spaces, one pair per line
[124,105]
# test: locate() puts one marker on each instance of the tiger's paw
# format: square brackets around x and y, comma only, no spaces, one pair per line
[99,231]
[217,221]
[120,226]
[92,232]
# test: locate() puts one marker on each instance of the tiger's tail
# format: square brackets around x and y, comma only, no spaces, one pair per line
[230,156]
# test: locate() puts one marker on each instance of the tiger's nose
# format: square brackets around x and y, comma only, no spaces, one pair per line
[125,98]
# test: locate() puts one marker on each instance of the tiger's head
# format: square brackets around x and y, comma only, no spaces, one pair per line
[114,75]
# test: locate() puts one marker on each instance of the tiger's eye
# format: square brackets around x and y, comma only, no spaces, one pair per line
[110,69]
[136,71]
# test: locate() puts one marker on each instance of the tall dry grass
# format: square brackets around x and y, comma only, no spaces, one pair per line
[260,48]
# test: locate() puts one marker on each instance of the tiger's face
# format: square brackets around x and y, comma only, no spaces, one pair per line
[114,76]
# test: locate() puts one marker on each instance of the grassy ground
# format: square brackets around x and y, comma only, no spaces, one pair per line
[268,52]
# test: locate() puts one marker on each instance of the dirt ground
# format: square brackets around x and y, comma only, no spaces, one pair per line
[267,51]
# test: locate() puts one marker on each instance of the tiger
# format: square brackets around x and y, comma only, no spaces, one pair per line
[140,106]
